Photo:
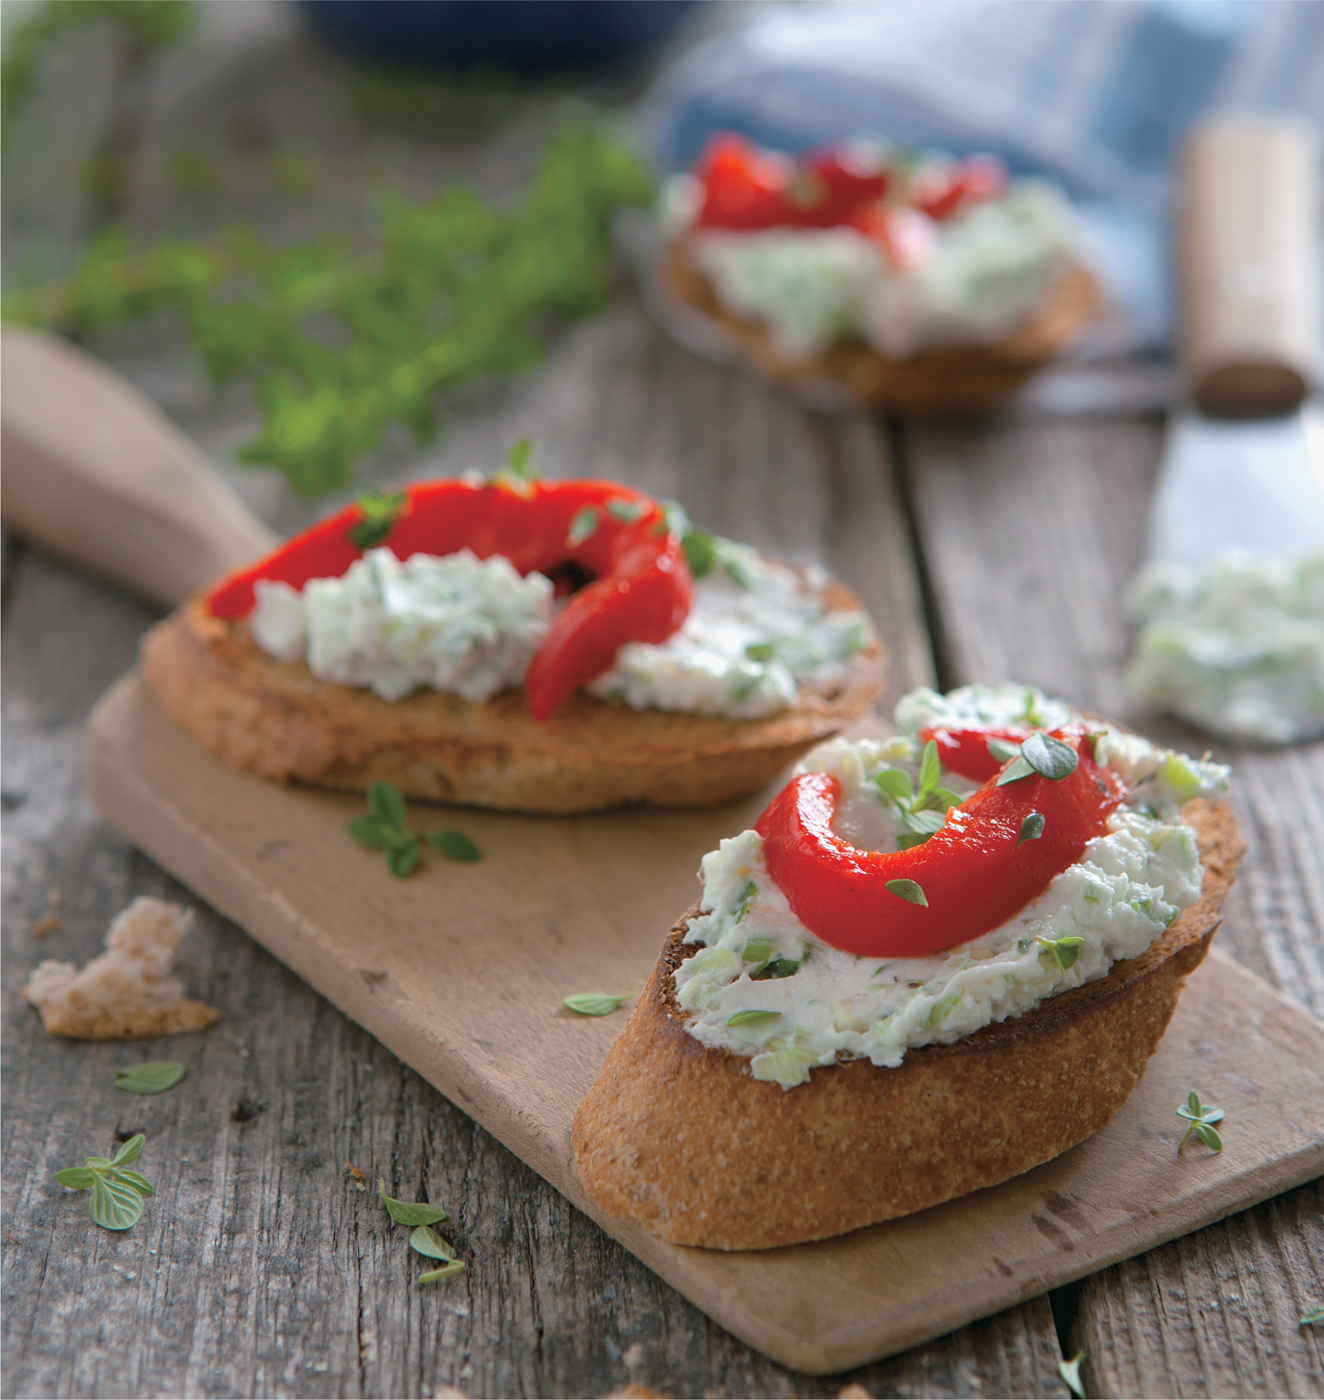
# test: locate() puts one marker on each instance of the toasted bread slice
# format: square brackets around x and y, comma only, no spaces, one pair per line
[947,379]
[685,1140]
[275,718]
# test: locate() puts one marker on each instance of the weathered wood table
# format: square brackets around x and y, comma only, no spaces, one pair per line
[985,550]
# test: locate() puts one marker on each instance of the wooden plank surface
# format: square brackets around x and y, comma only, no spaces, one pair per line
[1029,534]
[270,1276]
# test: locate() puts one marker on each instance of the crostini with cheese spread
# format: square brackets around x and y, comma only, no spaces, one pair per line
[984,920]
[527,645]
[919,283]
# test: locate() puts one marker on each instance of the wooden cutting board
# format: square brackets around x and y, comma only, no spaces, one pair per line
[461,970]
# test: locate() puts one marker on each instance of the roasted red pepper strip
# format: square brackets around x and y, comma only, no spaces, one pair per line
[965,751]
[972,872]
[642,588]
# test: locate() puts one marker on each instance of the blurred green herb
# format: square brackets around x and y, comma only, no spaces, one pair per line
[150,1077]
[418,104]
[383,828]
[1313,1318]
[342,341]
[379,516]
[595,1003]
[116,1202]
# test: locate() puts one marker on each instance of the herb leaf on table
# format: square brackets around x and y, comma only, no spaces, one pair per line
[1202,1119]
[410,1212]
[150,1077]
[116,1202]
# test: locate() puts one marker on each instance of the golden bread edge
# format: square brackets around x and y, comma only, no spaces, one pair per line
[682,1139]
[277,720]
[950,379]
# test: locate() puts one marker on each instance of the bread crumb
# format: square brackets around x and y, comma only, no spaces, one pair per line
[359,1175]
[127,993]
[854,1391]
[48,923]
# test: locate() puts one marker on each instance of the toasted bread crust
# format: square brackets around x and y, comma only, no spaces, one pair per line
[276,719]
[948,379]
[683,1139]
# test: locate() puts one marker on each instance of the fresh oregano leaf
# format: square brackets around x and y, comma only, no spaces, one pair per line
[456,1266]
[777,969]
[1019,768]
[1201,1118]
[371,831]
[1209,1136]
[1064,950]
[386,801]
[700,552]
[737,570]
[583,527]
[379,516]
[1001,750]
[1070,1373]
[135,1179]
[895,783]
[129,1151]
[627,512]
[752,1017]
[761,651]
[926,823]
[1050,757]
[595,1003]
[455,845]
[1032,828]
[757,950]
[1313,1318]
[114,1204]
[520,461]
[76,1178]
[402,860]
[908,890]
[930,769]
[150,1077]
[425,1240]
[409,1212]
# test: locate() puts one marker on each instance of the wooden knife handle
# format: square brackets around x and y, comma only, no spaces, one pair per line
[94,472]
[1248,258]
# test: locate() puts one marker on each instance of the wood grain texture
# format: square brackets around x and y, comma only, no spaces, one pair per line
[1029,533]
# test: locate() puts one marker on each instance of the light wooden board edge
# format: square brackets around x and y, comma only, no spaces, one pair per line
[168,834]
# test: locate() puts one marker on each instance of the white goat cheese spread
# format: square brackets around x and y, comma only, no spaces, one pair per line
[1236,647]
[756,633]
[756,955]
[985,271]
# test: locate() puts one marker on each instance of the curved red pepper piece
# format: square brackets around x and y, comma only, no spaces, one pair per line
[642,588]
[972,872]
[965,751]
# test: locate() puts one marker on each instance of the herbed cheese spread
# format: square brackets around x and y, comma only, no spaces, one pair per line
[983,272]
[764,987]
[758,631]
[1236,647]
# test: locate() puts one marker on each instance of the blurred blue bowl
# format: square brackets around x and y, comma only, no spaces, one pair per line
[524,36]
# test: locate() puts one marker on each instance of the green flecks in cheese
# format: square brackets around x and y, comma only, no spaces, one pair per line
[987,269]
[757,632]
[1236,647]
[457,623]
[1127,887]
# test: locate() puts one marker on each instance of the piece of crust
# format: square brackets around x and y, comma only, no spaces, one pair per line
[127,992]
[683,1139]
[947,379]
[276,719]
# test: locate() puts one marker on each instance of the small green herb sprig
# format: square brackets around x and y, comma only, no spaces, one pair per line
[150,1077]
[595,1003]
[118,1193]
[923,812]
[444,292]
[1202,1120]
[1070,1373]
[383,828]
[379,516]
[1065,950]
[1040,753]
[1313,1318]
[423,1239]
